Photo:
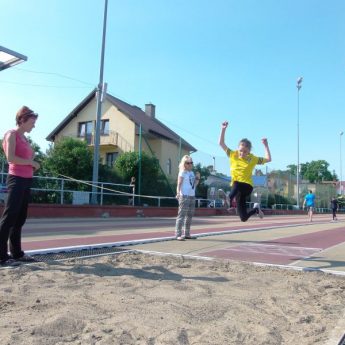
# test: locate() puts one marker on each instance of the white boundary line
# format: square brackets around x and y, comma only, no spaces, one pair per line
[151,240]
[204,234]
[96,246]
[208,258]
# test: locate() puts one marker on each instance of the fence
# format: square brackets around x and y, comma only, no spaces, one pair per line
[55,190]
[294,207]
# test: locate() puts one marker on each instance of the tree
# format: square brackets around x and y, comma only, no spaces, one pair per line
[201,190]
[316,171]
[153,182]
[70,157]
[39,156]
[292,169]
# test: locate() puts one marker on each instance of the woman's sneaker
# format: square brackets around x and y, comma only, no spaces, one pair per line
[258,210]
[9,263]
[26,258]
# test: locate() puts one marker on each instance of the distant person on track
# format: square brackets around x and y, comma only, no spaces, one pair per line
[309,202]
[187,182]
[242,163]
[334,208]
[20,157]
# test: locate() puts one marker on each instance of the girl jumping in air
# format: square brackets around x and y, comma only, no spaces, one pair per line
[242,164]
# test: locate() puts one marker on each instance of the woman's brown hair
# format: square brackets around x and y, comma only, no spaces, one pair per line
[24,114]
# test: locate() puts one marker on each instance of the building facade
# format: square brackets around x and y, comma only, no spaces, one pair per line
[120,132]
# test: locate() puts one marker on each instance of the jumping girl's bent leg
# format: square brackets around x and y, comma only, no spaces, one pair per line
[234,191]
[245,190]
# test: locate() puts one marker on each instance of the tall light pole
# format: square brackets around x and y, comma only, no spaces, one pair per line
[100,96]
[341,165]
[298,85]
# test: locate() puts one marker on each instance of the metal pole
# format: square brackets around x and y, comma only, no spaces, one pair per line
[139,163]
[100,90]
[299,85]
[62,191]
[102,186]
[341,167]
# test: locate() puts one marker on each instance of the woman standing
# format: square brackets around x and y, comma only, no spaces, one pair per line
[242,163]
[185,194]
[20,157]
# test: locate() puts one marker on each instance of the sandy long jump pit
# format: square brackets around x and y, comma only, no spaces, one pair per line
[136,298]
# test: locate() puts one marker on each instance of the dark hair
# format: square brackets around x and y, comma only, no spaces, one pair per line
[310,191]
[246,143]
[24,114]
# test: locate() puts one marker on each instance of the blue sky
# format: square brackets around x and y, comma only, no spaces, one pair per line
[199,62]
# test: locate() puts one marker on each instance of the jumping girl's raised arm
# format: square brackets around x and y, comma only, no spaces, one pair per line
[222,134]
[267,150]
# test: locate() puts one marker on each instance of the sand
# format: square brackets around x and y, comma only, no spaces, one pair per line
[144,299]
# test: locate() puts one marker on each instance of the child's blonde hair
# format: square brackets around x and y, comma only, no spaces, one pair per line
[181,166]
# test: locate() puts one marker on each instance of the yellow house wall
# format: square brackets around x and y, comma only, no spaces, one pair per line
[163,150]
[118,122]
[88,113]
[121,124]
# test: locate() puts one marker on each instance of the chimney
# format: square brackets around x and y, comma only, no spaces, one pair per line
[150,110]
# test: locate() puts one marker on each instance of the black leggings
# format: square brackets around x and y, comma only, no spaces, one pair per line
[240,191]
[334,210]
[14,216]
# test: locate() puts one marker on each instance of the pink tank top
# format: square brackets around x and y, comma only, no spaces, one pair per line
[23,150]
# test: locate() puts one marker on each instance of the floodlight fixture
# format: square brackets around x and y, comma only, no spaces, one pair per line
[299,82]
[10,58]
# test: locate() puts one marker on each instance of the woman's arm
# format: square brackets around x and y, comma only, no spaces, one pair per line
[179,185]
[267,150]
[222,135]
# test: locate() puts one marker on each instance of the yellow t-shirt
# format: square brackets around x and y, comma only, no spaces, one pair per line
[242,168]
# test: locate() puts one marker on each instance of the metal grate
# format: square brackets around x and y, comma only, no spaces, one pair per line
[74,254]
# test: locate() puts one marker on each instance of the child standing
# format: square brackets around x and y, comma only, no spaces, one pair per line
[242,163]
[185,194]
[309,200]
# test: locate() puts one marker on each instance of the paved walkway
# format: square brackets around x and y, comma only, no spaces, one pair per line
[278,240]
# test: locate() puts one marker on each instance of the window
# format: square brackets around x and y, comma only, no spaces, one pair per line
[85,130]
[104,127]
[169,166]
[111,158]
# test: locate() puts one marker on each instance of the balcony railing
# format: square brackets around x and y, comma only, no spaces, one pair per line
[111,138]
